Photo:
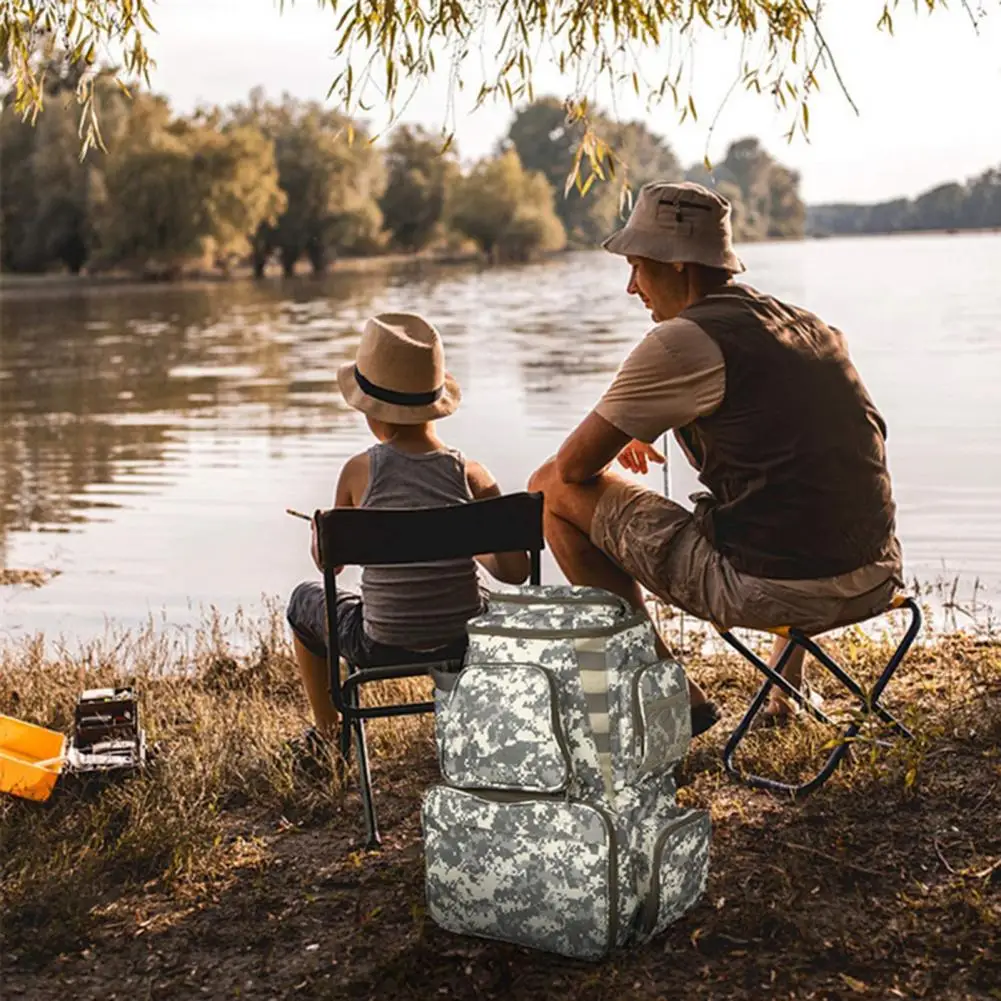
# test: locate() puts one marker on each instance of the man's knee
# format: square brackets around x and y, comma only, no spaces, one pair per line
[557,493]
[544,477]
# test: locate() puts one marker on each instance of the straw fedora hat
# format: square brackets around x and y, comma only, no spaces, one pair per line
[399,373]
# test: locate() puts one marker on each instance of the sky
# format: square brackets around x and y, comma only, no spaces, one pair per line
[928,98]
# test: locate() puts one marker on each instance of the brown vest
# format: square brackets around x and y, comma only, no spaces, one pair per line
[795,455]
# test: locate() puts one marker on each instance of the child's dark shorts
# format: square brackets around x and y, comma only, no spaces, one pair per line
[307,616]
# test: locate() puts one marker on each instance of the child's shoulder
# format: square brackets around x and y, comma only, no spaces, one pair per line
[354,478]
[480,479]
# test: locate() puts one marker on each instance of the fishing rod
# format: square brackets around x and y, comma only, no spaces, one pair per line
[664,450]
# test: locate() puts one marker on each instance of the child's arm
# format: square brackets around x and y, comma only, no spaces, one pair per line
[511,568]
[351,487]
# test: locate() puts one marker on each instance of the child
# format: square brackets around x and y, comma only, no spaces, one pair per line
[406,613]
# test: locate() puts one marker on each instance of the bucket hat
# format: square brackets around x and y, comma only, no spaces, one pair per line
[678,222]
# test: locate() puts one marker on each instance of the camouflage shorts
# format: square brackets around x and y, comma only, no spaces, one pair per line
[657,543]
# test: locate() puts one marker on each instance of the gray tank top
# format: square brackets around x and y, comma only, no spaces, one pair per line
[418,605]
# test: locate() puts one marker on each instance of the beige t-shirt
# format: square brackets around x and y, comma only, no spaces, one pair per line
[674,375]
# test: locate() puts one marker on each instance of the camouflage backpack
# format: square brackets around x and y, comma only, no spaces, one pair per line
[557,827]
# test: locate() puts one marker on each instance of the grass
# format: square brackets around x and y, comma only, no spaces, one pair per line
[222,873]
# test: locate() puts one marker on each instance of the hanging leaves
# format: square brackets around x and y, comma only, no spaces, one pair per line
[386,45]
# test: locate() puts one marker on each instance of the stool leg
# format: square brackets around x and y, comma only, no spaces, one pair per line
[868,701]
[870,704]
[365,781]
[752,710]
[773,677]
[894,662]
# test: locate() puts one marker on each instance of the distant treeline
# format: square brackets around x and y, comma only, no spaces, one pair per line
[953,206]
[293,183]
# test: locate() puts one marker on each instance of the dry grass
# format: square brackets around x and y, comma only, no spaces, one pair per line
[26,578]
[213,874]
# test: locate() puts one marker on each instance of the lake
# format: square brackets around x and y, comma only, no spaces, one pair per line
[154,435]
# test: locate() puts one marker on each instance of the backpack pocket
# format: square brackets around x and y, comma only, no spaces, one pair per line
[500,730]
[533,871]
[662,717]
[679,867]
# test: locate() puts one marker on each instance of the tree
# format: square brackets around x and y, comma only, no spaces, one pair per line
[786,211]
[332,184]
[732,193]
[983,202]
[383,45]
[48,196]
[547,139]
[976,204]
[154,222]
[889,217]
[750,165]
[941,207]
[417,184]
[186,191]
[507,210]
[764,194]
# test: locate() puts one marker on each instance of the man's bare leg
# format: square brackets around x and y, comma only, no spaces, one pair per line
[569,511]
[316,681]
[779,704]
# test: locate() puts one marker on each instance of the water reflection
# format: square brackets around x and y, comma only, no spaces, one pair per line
[153,435]
[97,380]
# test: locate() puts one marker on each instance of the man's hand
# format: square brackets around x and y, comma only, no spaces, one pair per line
[636,456]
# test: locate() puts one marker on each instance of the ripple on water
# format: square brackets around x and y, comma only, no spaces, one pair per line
[185,419]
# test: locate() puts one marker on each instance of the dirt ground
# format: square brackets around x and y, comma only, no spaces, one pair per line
[884,884]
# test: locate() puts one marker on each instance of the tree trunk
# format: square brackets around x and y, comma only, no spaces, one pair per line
[290,257]
[319,257]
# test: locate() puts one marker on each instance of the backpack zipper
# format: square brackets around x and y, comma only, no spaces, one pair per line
[585,632]
[557,727]
[652,906]
[613,851]
[526,598]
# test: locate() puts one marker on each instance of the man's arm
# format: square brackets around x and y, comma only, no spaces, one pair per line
[673,376]
[592,445]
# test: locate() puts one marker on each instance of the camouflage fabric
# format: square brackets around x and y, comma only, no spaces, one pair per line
[500,730]
[663,717]
[624,723]
[535,872]
[559,658]
[679,869]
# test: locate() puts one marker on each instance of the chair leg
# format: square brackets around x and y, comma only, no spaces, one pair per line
[354,724]
[869,704]
[365,782]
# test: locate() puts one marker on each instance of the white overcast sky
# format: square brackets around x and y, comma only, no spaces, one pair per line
[929,97]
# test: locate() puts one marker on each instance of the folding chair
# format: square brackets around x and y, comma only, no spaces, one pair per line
[364,537]
[868,701]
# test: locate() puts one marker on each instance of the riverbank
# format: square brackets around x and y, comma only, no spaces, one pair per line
[344,265]
[223,874]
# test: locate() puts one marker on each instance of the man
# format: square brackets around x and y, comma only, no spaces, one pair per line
[798,526]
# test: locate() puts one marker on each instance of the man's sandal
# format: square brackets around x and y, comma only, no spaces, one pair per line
[704,716]
[767,721]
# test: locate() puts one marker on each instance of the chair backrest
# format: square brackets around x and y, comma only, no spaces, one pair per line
[367,536]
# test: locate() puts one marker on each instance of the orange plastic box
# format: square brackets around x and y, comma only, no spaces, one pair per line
[31,759]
